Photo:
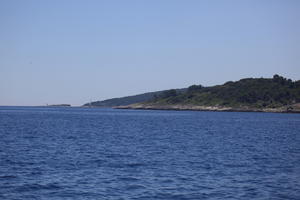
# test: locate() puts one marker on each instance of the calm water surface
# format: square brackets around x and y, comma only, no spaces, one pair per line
[81,153]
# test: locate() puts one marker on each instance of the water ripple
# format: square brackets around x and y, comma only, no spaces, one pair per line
[79,153]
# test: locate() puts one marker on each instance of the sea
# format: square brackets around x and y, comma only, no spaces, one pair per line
[92,153]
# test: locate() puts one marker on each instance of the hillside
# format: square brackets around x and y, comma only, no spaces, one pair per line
[122,101]
[250,94]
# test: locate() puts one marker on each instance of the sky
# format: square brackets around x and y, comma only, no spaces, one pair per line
[68,51]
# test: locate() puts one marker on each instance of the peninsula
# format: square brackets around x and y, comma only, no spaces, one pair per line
[247,95]
[277,94]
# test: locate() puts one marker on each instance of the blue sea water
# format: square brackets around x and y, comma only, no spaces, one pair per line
[82,153]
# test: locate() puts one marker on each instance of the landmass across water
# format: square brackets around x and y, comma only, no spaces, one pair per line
[277,94]
[60,105]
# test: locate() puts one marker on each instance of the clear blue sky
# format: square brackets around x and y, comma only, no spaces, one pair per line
[73,51]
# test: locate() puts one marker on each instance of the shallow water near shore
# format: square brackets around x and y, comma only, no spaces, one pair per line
[82,153]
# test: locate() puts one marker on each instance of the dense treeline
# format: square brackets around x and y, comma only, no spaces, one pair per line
[252,92]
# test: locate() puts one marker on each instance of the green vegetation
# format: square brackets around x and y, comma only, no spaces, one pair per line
[122,101]
[258,93]
[251,92]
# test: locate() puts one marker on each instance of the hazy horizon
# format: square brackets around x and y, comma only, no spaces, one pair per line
[76,51]
[142,92]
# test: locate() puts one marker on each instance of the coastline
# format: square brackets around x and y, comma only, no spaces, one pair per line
[295,108]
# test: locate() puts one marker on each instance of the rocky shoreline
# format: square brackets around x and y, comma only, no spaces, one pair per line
[295,108]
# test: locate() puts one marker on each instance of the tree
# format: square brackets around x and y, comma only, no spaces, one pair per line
[279,79]
[193,88]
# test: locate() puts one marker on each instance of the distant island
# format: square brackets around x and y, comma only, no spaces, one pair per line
[277,94]
[59,105]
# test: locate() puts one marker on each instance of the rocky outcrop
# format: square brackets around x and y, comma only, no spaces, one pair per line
[295,108]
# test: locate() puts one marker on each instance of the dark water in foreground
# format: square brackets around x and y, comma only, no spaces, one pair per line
[77,153]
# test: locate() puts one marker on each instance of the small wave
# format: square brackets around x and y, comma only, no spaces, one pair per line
[135,187]
[135,165]
[27,187]
[128,165]
[98,162]
[8,177]
[128,179]
[167,181]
